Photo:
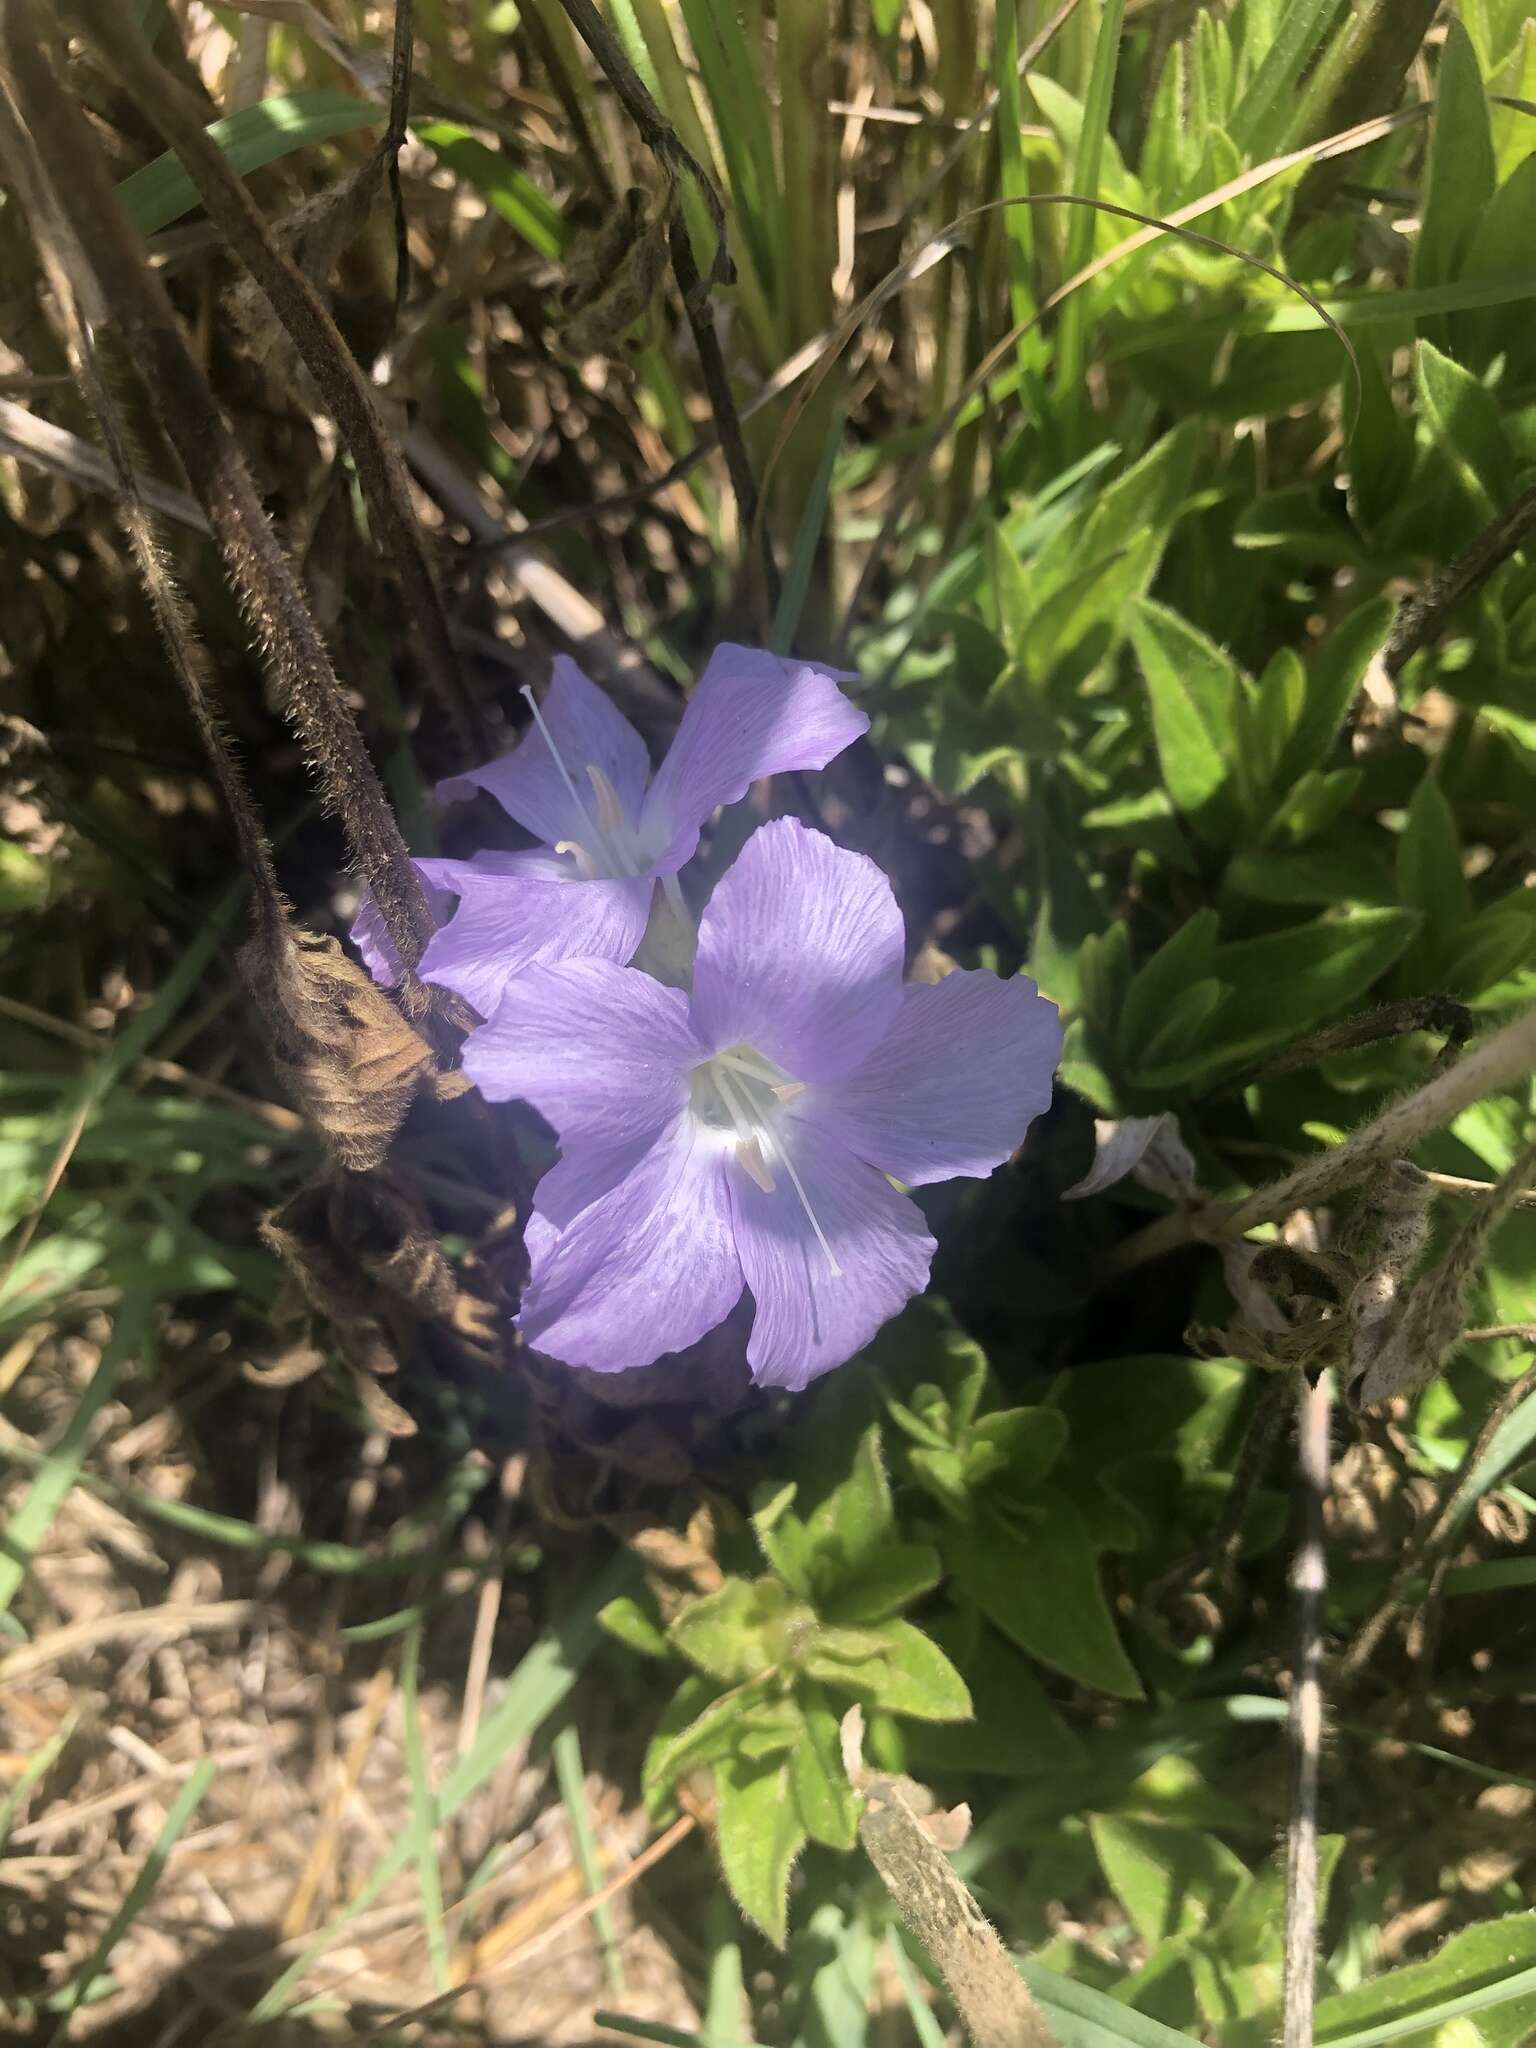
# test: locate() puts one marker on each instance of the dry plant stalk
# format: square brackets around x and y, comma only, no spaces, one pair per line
[303,313]
[993,2000]
[146,325]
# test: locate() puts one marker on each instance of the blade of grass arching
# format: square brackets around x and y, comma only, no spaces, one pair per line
[41,1760]
[808,536]
[60,1466]
[927,2029]
[421,1831]
[161,192]
[571,1779]
[1017,221]
[536,1688]
[185,1804]
[1071,334]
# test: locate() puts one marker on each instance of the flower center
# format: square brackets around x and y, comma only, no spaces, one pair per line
[606,849]
[740,1094]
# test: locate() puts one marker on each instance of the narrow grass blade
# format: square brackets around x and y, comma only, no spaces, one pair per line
[60,1467]
[808,536]
[1428,2018]
[1083,2018]
[162,192]
[571,1778]
[1071,396]
[540,1683]
[1262,118]
[186,1803]
[41,1760]
[422,1832]
[927,2029]
[1018,221]
[655,2030]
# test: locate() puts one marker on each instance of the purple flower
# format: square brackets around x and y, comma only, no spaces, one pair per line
[743,1136]
[581,783]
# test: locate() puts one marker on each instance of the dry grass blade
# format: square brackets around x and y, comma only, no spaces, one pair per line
[148,1625]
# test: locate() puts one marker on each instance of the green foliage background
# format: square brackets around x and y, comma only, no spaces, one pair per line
[1117,570]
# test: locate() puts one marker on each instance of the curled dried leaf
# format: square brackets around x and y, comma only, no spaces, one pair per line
[345,1054]
[365,1262]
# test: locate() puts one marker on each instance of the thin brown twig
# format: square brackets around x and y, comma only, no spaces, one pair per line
[1422,617]
[1309,1584]
[1495,1063]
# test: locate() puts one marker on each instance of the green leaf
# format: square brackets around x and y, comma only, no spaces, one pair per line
[1192,685]
[1042,1590]
[1172,1881]
[1335,672]
[1186,1023]
[1459,180]
[1015,1446]
[1464,419]
[786,1542]
[893,1578]
[912,1675]
[1488,1969]
[1496,943]
[162,192]
[635,1624]
[1262,119]
[856,1518]
[1501,249]
[824,1799]
[511,192]
[698,1726]
[1178,962]
[1313,804]
[760,1833]
[724,1633]
[1429,876]
[1284,984]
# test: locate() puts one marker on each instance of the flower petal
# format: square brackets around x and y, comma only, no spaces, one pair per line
[603,1054]
[588,732]
[808,1318]
[751,714]
[800,954]
[953,1085]
[507,922]
[646,1269]
[440,881]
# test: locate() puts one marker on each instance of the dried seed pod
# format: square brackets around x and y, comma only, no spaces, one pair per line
[345,1054]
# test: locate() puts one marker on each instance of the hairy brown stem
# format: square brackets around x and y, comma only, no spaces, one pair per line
[1497,1062]
[262,575]
[74,289]
[305,317]
[400,67]
[1422,617]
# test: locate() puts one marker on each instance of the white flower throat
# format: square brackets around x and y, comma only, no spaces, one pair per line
[741,1093]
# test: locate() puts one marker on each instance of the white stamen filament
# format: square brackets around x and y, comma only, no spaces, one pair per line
[610,815]
[762,1143]
[672,889]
